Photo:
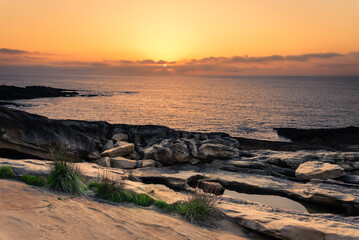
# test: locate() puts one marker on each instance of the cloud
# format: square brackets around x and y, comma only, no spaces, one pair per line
[267,59]
[276,64]
[142,62]
[306,57]
[13,51]
[339,65]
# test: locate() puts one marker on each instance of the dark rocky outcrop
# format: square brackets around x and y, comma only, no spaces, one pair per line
[30,92]
[31,134]
[338,138]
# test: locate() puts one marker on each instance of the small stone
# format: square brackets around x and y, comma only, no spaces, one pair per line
[123,148]
[120,162]
[211,187]
[194,161]
[94,155]
[135,156]
[356,165]
[104,162]
[108,145]
[148,163]
[120,137]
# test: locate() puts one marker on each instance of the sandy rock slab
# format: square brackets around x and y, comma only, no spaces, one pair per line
[36,213]
[290,224]
[280,223]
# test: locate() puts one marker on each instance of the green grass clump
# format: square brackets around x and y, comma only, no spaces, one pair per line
[165,206]
[161,204]
[33,180]
[92,184]
[110,190]
[198,207]
[6,172]
[64,175]
[143,200]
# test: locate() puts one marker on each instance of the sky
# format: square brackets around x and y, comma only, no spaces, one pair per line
[201,37]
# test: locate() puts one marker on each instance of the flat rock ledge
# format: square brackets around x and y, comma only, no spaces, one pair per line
[279,223]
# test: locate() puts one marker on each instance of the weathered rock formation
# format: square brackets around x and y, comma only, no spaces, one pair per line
[28,135]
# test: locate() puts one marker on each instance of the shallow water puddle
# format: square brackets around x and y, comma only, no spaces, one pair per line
[270,200]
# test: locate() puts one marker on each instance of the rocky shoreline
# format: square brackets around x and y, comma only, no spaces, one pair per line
[320,172]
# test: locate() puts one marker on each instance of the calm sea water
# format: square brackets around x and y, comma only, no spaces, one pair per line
[241,106]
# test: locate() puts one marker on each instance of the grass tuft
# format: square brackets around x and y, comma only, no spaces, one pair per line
[112,191]
[198,207]
[65,175]
[165,206]
[143,200]
[92,184]
[33,180]
[161,204]
[6,172]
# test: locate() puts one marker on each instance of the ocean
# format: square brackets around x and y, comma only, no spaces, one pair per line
[241,106]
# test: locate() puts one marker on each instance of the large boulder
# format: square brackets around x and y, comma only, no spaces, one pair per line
[319,170]
[180,151]
[164,155]
[191,145]
[211,151]
[172,151]
[120,162]
[122,149]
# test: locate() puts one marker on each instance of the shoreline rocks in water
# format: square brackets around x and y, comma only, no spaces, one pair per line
[344,138]
[30,92]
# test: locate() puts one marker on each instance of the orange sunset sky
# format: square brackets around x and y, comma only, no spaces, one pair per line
[197,37]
